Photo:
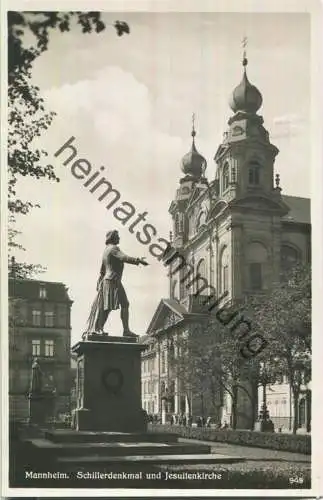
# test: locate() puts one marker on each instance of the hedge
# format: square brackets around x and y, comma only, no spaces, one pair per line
[299,443]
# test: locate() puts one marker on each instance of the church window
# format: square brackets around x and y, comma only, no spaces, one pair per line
[254,174]
[225,177]
[289,257]
[257,260]
[225,278]
[255,276]
[216,187]
[224,274]
[181,223]
[201,272]
[201,220]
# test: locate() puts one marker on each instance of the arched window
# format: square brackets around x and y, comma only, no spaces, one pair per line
[181,223]
[177,224]
[256,259]
[224,270]
[225,177]
[289,257]
[254,173]
[163,361]
[201,269]
[201,272]
[201,220]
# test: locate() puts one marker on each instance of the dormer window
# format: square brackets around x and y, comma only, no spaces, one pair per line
[254,174]
[225,177]
[42,292]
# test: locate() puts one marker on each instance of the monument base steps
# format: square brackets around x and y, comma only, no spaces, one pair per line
[73,448]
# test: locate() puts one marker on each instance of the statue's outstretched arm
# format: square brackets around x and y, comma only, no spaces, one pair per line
[125,258]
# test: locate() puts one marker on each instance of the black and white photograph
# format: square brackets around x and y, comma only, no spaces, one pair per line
[159,174]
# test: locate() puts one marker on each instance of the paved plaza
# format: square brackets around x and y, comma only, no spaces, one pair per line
[253,453]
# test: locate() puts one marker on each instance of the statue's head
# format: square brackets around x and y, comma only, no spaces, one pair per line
[112,237]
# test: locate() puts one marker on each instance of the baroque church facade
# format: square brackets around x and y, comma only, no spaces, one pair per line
[237,231]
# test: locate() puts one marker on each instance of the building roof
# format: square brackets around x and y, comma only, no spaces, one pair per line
[300,209]
[245,97]
[175,306]
[164,307]
[29,289]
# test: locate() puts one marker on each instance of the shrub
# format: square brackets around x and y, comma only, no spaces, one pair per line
[282,442]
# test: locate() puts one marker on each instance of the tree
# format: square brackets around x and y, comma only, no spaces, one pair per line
[28,37]
[210,363]
[283,317]
[193,365]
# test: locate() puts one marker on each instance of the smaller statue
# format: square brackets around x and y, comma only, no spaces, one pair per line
[36,383]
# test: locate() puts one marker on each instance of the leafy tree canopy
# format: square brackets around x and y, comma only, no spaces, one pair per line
[29,36]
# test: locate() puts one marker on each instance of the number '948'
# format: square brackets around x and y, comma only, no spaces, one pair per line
[296,480]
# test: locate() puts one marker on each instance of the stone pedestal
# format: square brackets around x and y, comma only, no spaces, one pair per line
[41,407]
[109,385]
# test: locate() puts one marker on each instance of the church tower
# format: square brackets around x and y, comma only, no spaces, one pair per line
[254,207]
[234,234]
[249,223]
[246,157]
[193,166]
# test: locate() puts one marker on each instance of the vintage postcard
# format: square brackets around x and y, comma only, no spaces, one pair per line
[161,175]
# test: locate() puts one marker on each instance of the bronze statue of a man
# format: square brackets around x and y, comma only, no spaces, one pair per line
[111,293]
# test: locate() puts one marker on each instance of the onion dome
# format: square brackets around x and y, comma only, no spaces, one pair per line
[245,97]
[193,163]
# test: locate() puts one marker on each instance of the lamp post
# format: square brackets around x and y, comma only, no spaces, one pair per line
[265,379]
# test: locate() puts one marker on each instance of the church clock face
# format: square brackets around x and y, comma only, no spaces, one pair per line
[237,130]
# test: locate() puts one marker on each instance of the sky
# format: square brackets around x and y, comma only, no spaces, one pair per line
[128,101]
